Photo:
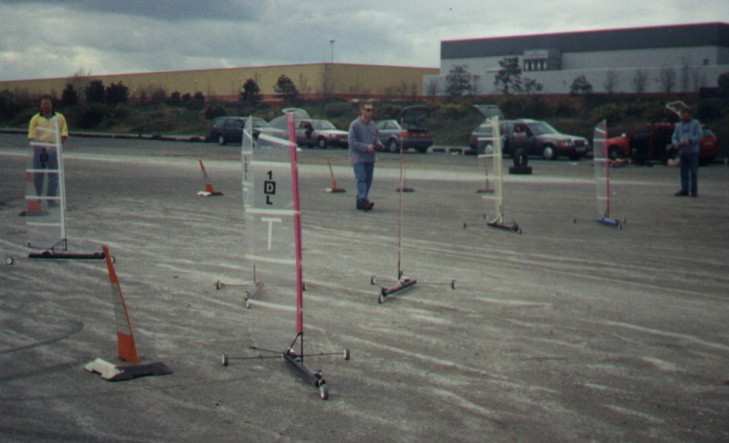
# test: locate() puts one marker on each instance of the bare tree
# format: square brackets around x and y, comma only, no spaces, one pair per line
[431,88]
[612,79]
[640,80]
[685,74]
[667,79]
[698,78]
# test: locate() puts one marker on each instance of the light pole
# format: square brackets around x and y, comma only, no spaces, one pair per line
[332,43]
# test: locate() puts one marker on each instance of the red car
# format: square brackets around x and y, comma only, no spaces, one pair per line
[652,143]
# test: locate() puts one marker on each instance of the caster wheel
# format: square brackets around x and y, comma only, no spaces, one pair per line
[248,303]
[218,284]
[9,260]
[373,280]
[224,359]
[381,298]
[324,392]
[346,354]
[453,284]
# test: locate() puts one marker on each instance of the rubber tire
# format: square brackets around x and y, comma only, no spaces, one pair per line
[321,143]
[614,153]
[393,146]
[521,158]
[549,152]
[224,359]
[221,139]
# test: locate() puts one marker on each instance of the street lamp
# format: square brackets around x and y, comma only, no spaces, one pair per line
[332,43]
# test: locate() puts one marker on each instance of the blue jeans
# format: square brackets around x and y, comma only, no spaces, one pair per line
[363,173]
[43,159]
[689,172]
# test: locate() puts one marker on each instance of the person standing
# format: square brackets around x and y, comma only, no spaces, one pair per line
[42,129]
[686,138]
[363,141]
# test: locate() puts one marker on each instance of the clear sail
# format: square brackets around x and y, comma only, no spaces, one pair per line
[492,158]
[45,193]
[602,169]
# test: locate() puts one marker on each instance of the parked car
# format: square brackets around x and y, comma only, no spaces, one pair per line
[535,137]
[651,142]
[229,129]
[320,133]
[407,131]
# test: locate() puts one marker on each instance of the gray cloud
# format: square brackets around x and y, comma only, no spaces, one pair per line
[57,39]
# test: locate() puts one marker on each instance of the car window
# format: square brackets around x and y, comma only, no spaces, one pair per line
[708,133]
[324,124]
[540,128]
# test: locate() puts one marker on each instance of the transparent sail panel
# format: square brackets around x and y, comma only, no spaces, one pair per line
[492,158]
[45,191]
[602,171]
[269,210]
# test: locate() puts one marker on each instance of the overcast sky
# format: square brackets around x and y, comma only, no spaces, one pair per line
[61,38]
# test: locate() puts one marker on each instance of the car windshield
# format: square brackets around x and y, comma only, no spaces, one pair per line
[540,128]
[323,124]
[708,133]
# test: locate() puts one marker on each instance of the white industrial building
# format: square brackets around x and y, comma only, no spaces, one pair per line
[677,58]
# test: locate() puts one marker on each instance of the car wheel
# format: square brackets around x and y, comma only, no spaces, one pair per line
[549,153]
[221,139]
[393,146]
[321,143]
[614,153]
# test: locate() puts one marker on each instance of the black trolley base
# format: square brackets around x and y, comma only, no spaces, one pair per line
[296,360]
[505,226]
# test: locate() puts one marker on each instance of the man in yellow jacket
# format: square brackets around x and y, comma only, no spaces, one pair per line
[41,133]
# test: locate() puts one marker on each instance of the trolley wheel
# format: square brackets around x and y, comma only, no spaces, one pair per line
[323,392]
[381,298]
[9,260]
[346,354]
[247,301]
[224,359]
[373,280]
[453,284]
[218,284]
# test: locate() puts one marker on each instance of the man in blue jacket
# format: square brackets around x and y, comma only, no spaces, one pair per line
[686,137]
[363,139]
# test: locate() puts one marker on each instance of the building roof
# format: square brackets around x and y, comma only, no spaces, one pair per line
[704,34]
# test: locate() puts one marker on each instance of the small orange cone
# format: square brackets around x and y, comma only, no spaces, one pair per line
[209,189]
[334,188]
[125,339]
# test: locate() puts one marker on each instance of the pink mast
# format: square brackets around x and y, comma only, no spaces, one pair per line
[297,227]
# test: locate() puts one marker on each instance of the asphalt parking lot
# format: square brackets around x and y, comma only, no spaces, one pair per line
[569,331]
